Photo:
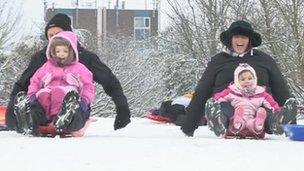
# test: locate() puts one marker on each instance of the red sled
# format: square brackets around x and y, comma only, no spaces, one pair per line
[158,118]
[2,116]
[49,130]
[244,134]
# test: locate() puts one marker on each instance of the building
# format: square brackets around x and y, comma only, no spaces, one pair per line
[103,23]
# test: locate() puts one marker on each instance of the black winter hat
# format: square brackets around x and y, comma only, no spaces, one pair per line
[59,20]
[241,28]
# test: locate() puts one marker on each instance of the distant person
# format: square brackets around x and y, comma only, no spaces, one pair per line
[239,39]
[173,110]
[101,74]
[248,100]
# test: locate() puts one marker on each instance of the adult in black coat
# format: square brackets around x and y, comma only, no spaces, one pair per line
[239,40]
[101,74]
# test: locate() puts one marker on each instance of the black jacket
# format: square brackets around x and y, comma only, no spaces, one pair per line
[219,74]
[101,74]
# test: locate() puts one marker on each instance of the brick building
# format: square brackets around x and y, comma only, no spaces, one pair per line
[102,22]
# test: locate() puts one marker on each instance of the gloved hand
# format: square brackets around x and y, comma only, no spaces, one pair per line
[121,121]
[32,99]
[189,126]
[84,105]
[187,132]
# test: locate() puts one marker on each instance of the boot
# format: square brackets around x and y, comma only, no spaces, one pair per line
[23,114]
[69,108]
[259,120]
[238,121]
[216,120]
[288,112]
[287,115]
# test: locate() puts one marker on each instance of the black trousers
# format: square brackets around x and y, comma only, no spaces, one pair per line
[39,118]
[177,113]
[171,111]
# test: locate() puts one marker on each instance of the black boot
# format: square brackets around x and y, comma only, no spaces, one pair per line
[23,114]
[69,108]
[287,115]
[216,120]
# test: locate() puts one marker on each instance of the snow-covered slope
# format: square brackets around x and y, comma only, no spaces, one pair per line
[145,146]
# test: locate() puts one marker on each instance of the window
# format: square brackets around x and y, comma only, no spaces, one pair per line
[141,28]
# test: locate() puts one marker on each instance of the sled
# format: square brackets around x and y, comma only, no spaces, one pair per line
[244,134]
[157,118]
[50,131]
[294,132]
[2,116]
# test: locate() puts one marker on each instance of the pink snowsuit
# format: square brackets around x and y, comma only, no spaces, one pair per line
[51,83]
[249,104]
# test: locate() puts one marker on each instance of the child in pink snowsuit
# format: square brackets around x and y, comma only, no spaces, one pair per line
[247,98]
[62,73]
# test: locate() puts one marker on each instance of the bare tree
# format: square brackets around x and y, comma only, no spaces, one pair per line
[292,18]
[198,23]
[9,19]
[139,70]
[15,63]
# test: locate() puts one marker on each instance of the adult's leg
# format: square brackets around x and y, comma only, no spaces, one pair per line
[10,117]
[227,110]
[38,116]
[218,116]
[288,114]
[274,121]
[164,106]
[175,110]
[30,114]
[79,119]
[21,112]
[270,125]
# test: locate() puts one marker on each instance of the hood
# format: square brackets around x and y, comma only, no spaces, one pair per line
[70,37]
[239,69]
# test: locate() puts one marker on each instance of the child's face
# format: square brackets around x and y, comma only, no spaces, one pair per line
[62,53]
[246,79]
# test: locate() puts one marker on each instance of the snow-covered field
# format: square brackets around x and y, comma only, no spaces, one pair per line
[145,146]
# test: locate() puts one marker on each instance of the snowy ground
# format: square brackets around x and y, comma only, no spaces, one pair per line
[145,146]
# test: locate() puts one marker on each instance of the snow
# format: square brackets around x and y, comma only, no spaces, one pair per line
[144,145]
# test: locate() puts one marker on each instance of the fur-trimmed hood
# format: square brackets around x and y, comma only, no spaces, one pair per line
[71,37]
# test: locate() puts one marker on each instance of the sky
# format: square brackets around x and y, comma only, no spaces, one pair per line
[32,11]
[148,146]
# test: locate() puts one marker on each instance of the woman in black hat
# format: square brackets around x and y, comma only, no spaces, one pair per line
[101,74]
[239,41]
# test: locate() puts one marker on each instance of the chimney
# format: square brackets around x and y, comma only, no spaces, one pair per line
[117,4]
[53,6]
[123,3]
